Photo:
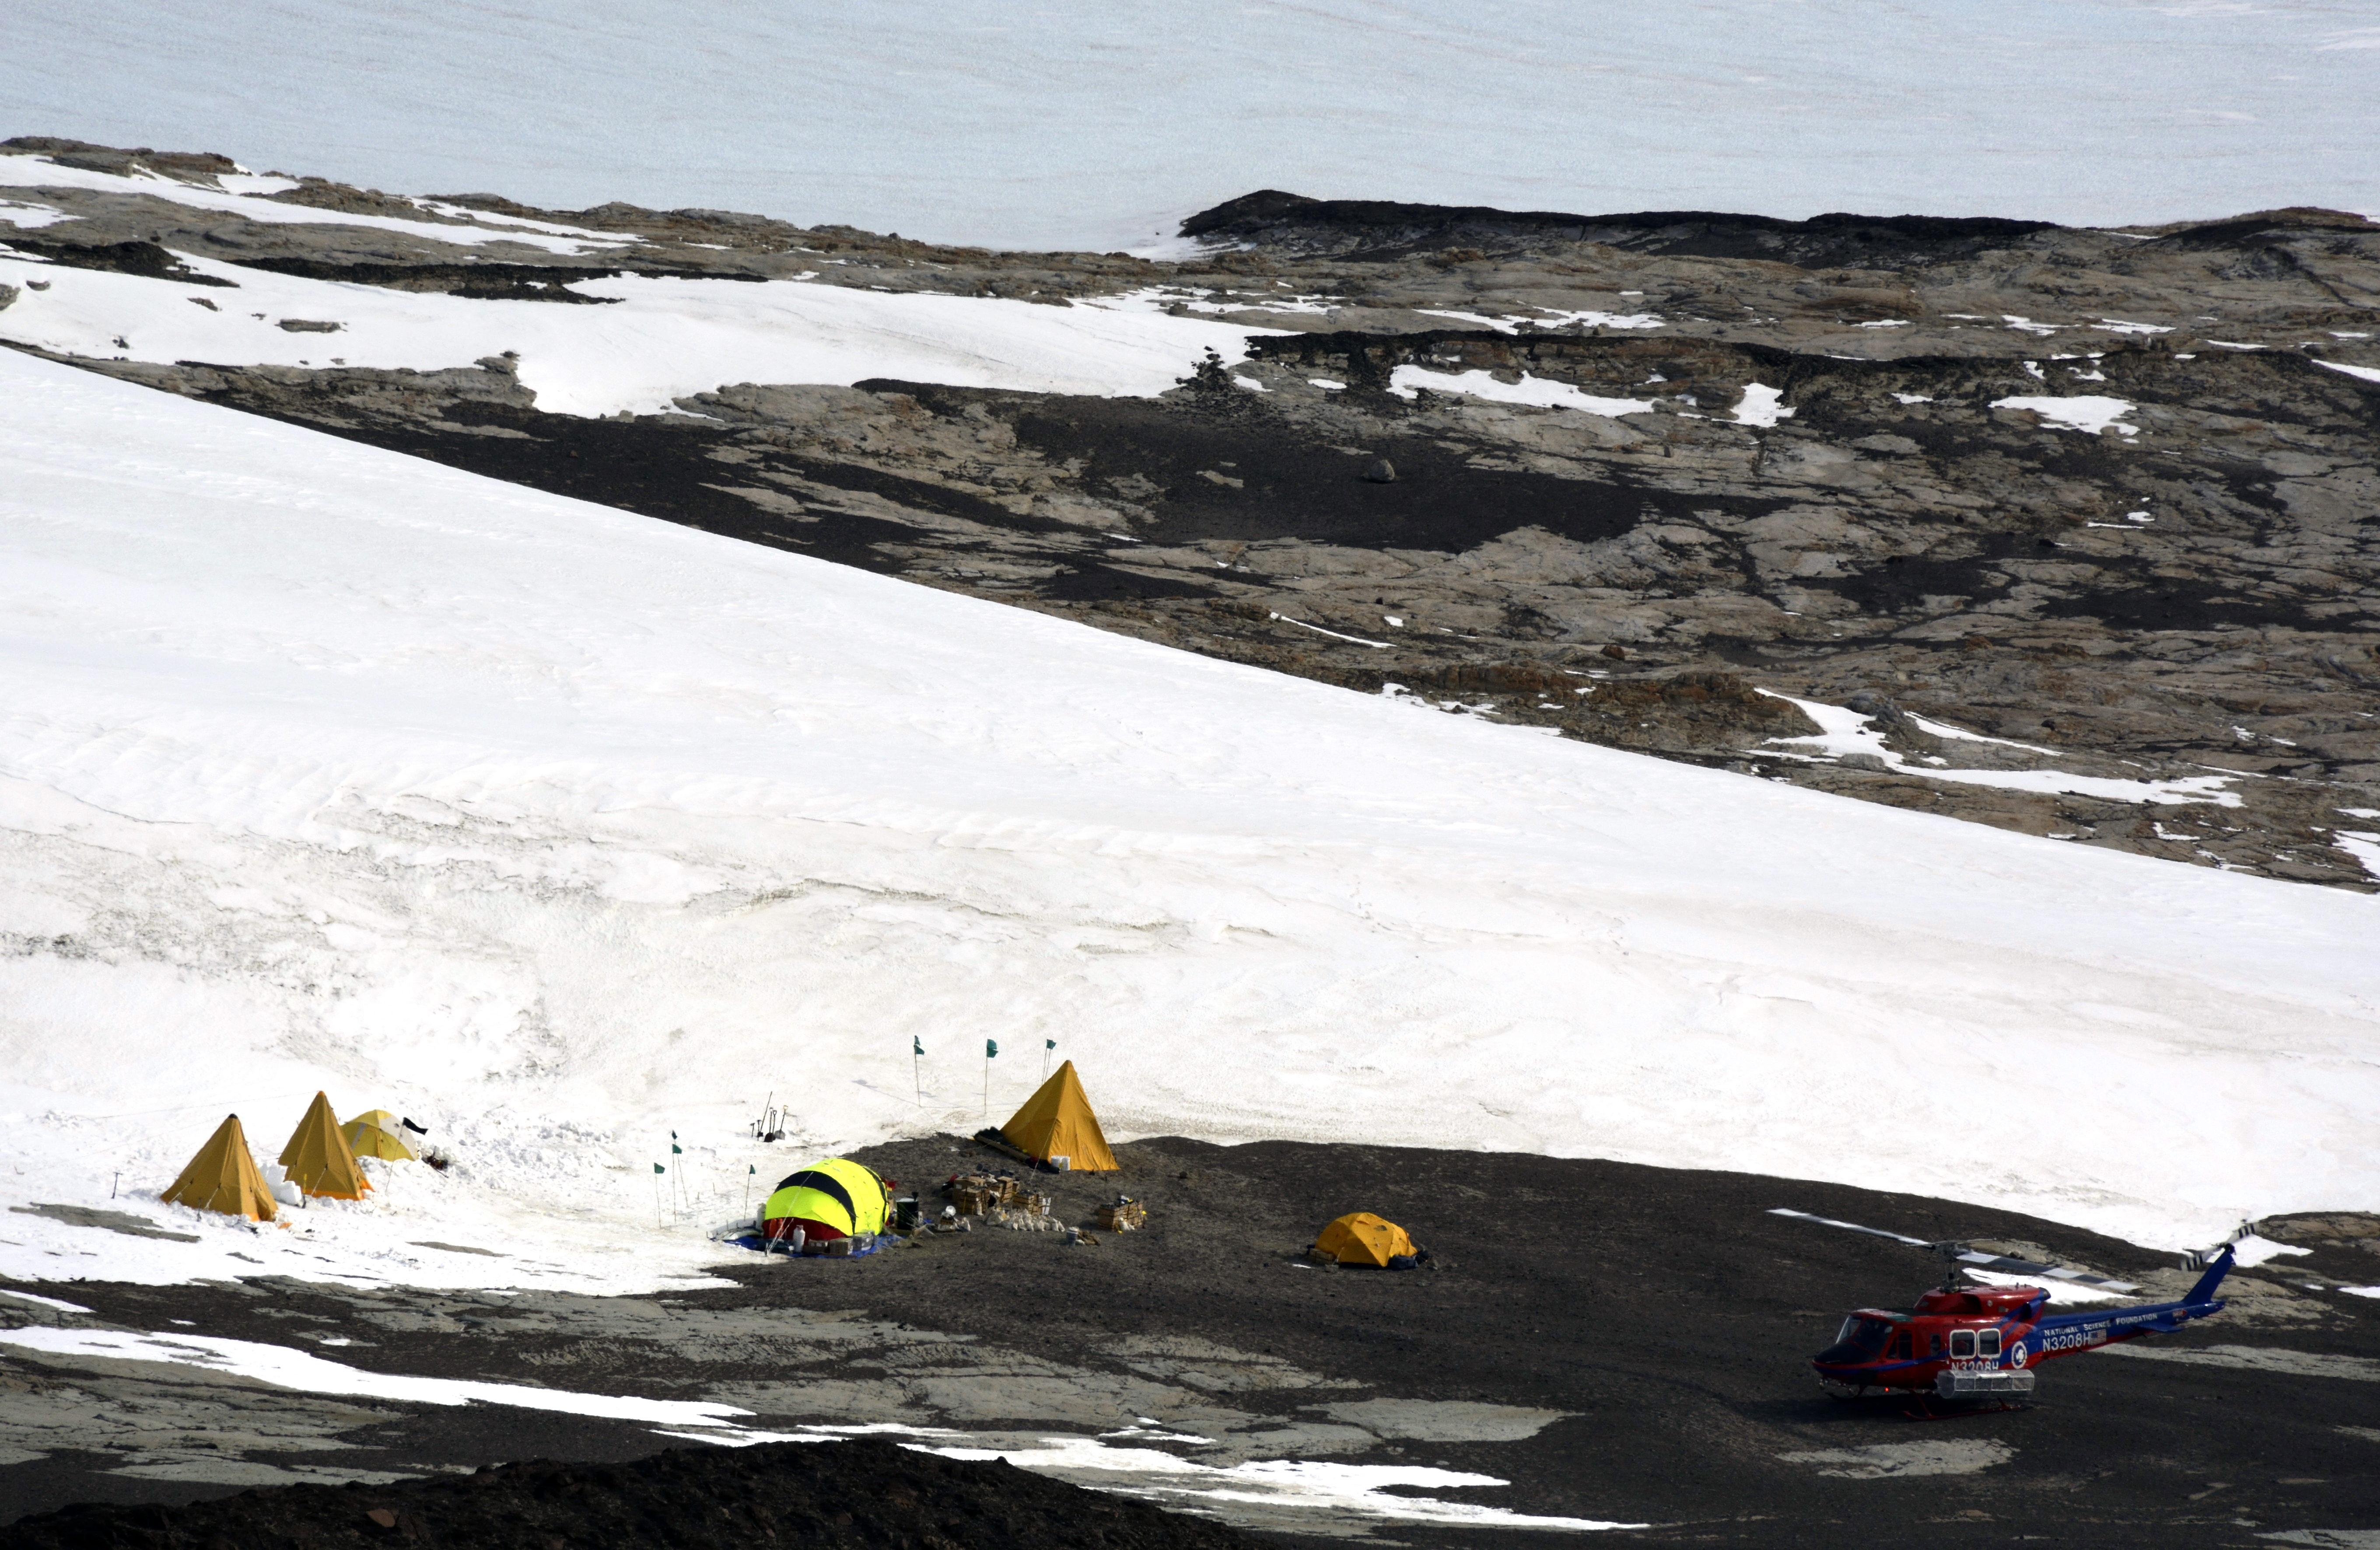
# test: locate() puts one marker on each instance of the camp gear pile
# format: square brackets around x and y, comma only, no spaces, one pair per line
[978,1191]
[1030,1214]
[1123,1215]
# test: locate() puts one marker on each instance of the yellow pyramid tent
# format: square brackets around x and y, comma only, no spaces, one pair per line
[318,1158]
[223,1177]
[1057,1122]
[373,1135]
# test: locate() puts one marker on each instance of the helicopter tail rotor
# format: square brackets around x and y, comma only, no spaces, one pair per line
[2199,1259]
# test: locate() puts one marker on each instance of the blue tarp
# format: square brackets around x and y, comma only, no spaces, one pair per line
[756,1244]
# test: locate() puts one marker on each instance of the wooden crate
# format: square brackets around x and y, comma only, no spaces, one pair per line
[1124,1216]
[976,1194]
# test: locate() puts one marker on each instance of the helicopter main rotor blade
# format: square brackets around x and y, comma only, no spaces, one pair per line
[1849,1226]
[2006,1266]
[1965,1255]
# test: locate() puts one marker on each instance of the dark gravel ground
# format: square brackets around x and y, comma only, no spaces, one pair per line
[861,1494]
[1664,1314]
[1674,1317]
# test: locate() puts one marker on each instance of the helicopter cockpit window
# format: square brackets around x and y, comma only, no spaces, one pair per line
[1962,1342]
[1988,1343]
[1861,1339]
[1868,1334]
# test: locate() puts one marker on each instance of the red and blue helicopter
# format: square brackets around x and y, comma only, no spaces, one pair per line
[1966,1341]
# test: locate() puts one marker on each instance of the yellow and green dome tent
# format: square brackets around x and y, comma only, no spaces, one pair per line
[834,1197]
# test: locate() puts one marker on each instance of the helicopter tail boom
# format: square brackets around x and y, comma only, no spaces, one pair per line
[2216,1270]
[2062,1334]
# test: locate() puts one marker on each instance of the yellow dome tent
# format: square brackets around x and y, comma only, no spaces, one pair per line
[373,1135]
[834,1197]
[1057,1122]
[318,1158]
[224,1178]
[1361,1238]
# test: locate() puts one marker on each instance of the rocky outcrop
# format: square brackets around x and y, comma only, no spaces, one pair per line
[1383,229]
[2072,532]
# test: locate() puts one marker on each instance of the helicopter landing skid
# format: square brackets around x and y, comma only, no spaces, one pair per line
[1965,1412]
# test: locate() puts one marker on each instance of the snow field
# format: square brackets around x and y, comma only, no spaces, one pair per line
[560,830]
[241,194]
[1301,1487]
[658,340]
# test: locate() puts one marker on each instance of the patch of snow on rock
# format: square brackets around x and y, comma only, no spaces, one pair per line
[241,198]
[31,217]
[1762,405]
[1844,732]
[1406,382]
[661,340]
[2087,413]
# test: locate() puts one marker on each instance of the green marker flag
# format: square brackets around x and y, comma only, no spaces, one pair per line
[991,1047]
[751,1170]
[916,1044]
[676,1148]
[659,1168]
[1049,1043]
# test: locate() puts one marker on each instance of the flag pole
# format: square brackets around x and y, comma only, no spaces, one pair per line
[990,1049]
[916,1067]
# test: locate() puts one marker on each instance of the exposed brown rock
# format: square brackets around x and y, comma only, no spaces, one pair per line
[1901,533]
